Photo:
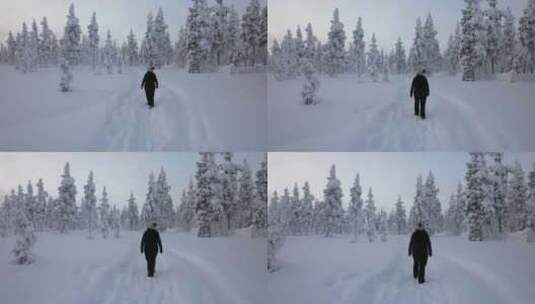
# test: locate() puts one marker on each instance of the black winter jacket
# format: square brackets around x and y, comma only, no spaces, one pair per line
[420,86]
[420,245]
[150,242]
[150,82]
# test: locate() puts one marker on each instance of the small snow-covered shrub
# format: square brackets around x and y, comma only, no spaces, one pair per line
[311,86]
[66,76]
[276,240]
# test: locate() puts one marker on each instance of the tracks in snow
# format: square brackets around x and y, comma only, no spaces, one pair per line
[179,279]
[450,125]
[449,280]
[171,125]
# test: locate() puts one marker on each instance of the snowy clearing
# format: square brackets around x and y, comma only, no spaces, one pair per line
[461,116]
[72,269]
[216,111]
[320,270]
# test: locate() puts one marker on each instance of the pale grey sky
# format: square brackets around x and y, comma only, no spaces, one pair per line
[121,173]
[117,15]
[387,18]
[389,174]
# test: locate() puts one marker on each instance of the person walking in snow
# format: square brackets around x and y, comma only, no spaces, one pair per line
[420,249]
[420,91]
[150,243]
[150,84]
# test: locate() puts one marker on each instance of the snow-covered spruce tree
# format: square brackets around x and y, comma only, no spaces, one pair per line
[472,47]
[65,209]
[164,202]
[186,209]
[456,212]
[24,232]
[24,52]
[382,225]
[335,56]
[310,44]
[115,216]
[516,199]
[181,48]
[432,205]
[290,64]
[400,58]
[451,56]
[333,202]
[30,204]
[41,200]
[277,63]
[251,31]
[133,214]
[432,56]
[300,49]
[355,211]
[161,40]
[108,53]
[93,37]
[245,195]
[417,59]
[71,38]
[293,214]
[370,217]
[90,204]
[148,50]
[45,44]
[419,211]
[374,60]
[530,207]
[204,209]
[260,212]
[400,218]
[474,197]
[311,85]
[229,184]
[508,43]
[11,49]
[104,214]
[132,49]
[150,211]
[306,211]
[493,32]
[33,44]
[526,37]
[359,49]
[5,218]
[498,189]
[197,25]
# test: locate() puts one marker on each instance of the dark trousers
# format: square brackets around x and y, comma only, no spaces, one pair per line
[419,106]
[418,269]
[151,262]
[150,96]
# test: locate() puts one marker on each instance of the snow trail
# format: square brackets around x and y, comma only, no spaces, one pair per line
[448,280]
[132,126]
[179,278]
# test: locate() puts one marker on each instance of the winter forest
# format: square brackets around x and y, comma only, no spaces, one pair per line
[100,72]
[223,209]
[489,50]
[357,250]
[213,36]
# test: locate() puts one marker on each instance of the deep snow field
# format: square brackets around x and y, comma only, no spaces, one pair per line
[216,111]
[72,269]
[316,270]
[353,116]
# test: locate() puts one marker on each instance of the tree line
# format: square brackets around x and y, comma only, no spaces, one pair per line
[495,199]
[212,36]
[222,197]
[487,41]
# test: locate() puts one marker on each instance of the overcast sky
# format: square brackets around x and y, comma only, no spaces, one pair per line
[387,18]
[389,174]
[117,15]
[120,172]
